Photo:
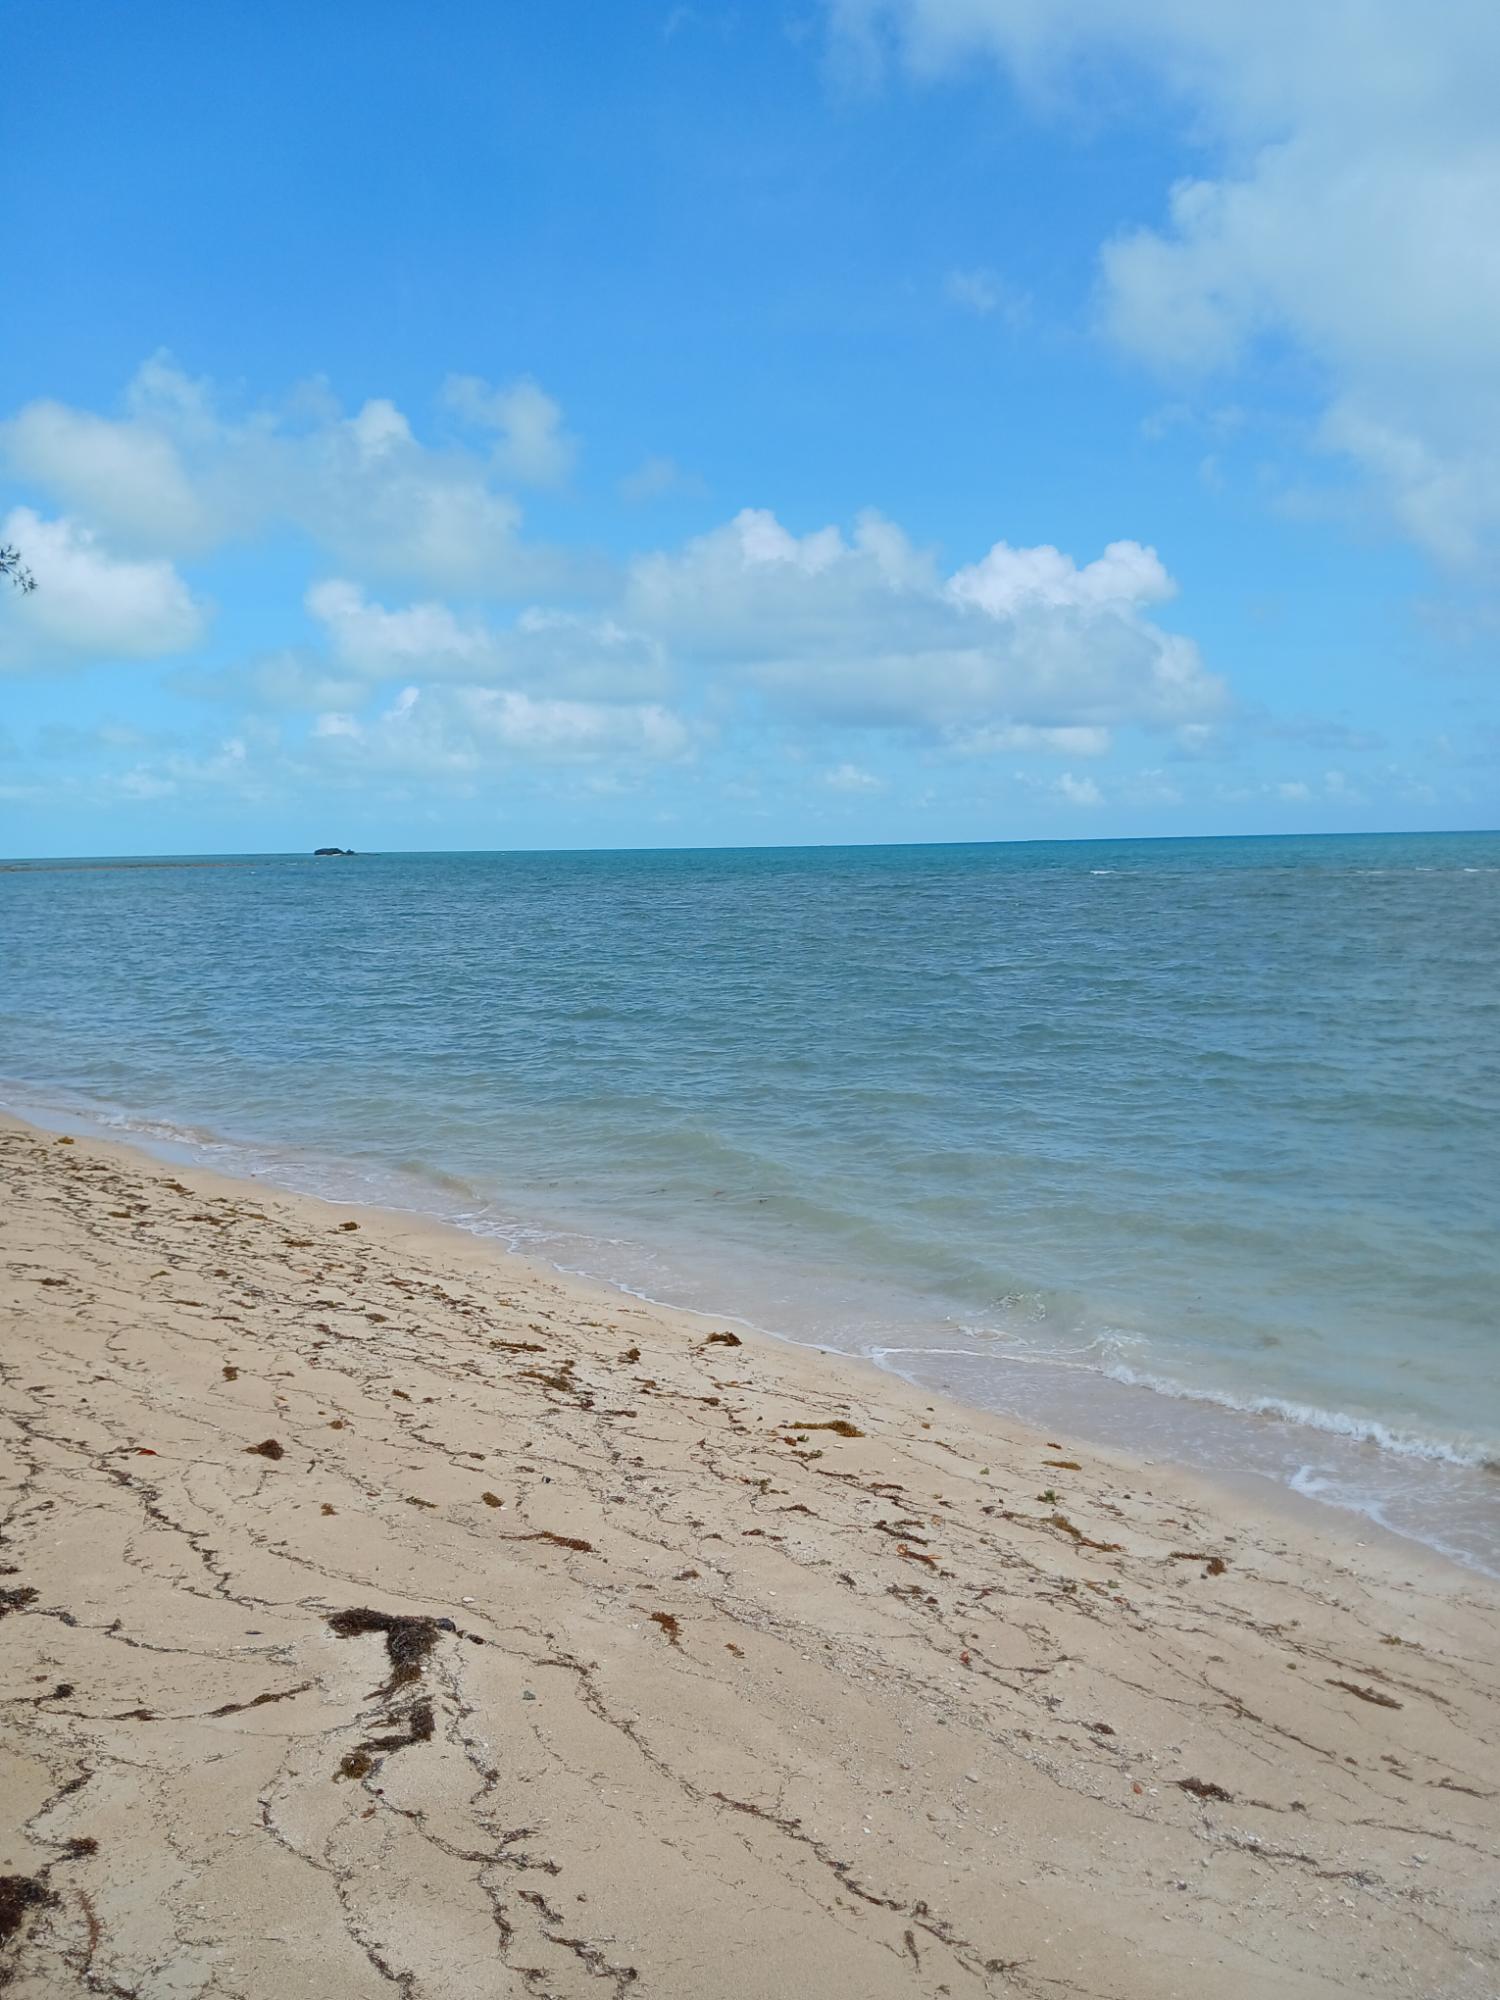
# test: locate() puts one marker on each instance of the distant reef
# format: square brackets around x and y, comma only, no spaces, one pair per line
[341,851]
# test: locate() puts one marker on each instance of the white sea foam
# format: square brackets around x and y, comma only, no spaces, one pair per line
[1474,1454]
[1338,1423]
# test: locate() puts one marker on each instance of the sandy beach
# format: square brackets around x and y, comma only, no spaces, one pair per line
[382,1613]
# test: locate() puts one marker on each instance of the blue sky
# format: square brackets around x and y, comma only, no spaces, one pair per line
[646,424]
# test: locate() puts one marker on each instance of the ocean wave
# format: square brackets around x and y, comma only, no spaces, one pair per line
[1476,1455]
[164,1131]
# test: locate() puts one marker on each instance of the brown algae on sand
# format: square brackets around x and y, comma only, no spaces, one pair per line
[1367,1694]
[19,1896]
[408,1641]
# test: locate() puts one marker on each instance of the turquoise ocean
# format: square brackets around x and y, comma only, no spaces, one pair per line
[1192,1146]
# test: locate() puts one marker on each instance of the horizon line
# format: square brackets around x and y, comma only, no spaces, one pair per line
[229,858]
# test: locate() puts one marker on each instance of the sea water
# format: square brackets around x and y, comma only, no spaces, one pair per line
[1188,1145]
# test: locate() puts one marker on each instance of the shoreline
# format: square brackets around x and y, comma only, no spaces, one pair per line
[1228,1444]
[1233,1488]
[700,1663]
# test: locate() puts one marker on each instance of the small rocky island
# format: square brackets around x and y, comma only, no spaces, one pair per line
[344,853]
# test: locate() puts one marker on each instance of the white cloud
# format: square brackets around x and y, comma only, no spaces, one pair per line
[378,428]
[562,651]
[378,642]
[123,473]
[531,445]
[655,477]
[577,728]
[1351,210]
[1025,649]
[290,680]
[1075,741]
[436,731]
[174,476]
[1008,580]
[851,778]
[227,767]
[1078,791]
[983,291]
[337,725]
[89,604]
[869,631]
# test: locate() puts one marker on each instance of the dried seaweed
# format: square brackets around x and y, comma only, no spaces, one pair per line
[1214,1565]
[1202,1788]
[558,1380]
[421,1726]
[1084,1541]
[267,1448]
[16,1599]
[1367,1694]
[840,1426]
[19,1895]
[669,1625]
[408,1641]
[261,1700]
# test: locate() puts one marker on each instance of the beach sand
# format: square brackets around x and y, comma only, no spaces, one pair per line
[383,1613]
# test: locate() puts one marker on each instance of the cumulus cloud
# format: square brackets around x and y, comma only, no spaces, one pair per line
[868,630]
[174,475]
[1024,649]
[1067,741]
[530,444]
[290,680]
[851,778]
[436,731]
[122,472]
[1350,211]
[225,767]
[566,652]
[1078,791]
[89,604]
[655,477]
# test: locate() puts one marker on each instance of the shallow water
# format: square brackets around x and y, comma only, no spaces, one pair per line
[1139,1137]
